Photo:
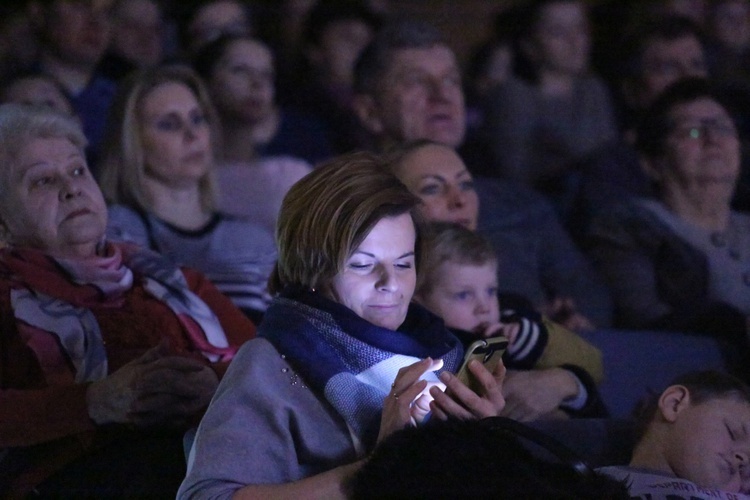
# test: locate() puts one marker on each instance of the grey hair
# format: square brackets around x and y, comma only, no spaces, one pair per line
[22,123]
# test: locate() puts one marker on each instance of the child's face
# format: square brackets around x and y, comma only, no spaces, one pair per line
[464,295]
[709,442]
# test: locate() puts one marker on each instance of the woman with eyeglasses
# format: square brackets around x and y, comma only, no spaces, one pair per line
[681,261]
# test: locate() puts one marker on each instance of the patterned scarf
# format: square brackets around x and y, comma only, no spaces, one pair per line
[350,361]
[56,295]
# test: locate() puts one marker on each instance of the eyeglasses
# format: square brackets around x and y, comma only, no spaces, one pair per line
[701,130]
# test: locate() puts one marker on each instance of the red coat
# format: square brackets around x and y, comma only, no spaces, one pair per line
[40,404]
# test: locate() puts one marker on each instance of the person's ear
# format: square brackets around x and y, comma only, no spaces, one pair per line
[366,110]
[673,401]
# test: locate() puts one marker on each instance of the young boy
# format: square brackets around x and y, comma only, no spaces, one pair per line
[693,441]
[550,368]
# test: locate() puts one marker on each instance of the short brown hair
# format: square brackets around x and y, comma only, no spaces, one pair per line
[123,166]
[327,214]
[376,59]
[448,242]
[703,386]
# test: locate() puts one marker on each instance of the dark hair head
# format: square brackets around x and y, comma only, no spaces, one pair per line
[642,35]
[486,461]
[185,12]
[207,57]
[375,60]
[327,214]
[529,15]
[656,123]
[703,386]
[527,18]
[327,12]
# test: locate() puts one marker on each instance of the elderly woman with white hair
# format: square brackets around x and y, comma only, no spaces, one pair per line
[101,342]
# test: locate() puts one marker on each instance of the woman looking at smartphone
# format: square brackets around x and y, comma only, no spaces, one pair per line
[344,358]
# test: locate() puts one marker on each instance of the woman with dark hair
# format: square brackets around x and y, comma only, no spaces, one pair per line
[554,112]
[240,72]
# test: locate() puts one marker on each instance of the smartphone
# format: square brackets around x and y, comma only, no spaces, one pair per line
[487,351]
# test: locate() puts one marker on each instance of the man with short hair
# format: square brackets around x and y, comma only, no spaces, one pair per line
[335,34]
[74,35]
[658,54]
[408,87]
[694,442]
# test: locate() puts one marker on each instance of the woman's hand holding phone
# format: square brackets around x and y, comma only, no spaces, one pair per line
[460,401]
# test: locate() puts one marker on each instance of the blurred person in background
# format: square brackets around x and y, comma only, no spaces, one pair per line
[555,112]
[73,37]
[202,21]
[336,32]
[679,261]
[37,89]
[241,75]
[137,38]
[157,174]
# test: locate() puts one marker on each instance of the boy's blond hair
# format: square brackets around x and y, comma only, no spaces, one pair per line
[449,242]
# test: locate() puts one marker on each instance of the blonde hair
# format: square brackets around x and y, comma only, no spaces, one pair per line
[447,242]
[396,155]
[22,123]
[327,214]
[123,166]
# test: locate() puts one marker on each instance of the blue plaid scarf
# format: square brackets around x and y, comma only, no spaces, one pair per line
[350,361]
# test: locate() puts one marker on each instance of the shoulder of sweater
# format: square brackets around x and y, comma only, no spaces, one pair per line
[628,220]
[269,165]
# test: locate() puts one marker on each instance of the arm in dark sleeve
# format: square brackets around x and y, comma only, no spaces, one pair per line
[642,265]
[566,271]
